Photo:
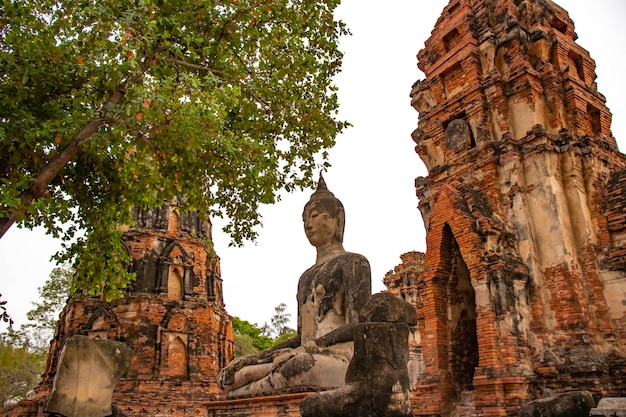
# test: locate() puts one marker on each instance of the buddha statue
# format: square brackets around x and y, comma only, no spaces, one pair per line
[330,296]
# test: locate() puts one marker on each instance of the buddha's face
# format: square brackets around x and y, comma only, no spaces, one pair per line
[320,228]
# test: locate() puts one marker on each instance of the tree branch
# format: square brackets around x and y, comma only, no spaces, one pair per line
[236,15]
[221,74]
[43,179]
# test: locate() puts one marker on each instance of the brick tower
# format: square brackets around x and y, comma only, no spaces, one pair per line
[524,282]
[172,317]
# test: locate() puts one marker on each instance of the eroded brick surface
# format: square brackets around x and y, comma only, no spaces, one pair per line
[523,286]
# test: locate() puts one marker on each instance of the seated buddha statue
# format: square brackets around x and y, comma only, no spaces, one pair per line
[330,295]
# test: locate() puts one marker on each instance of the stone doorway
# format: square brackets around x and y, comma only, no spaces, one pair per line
[461,306]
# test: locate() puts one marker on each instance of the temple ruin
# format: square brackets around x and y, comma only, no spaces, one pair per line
[172,317]
[521,293]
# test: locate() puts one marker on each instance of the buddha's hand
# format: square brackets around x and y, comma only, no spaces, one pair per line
[281,356]
[226,377]
[227,374]
[311,347]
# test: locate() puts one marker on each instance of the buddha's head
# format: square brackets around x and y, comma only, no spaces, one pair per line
[323,217]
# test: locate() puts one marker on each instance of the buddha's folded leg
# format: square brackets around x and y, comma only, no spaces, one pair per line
[248,374]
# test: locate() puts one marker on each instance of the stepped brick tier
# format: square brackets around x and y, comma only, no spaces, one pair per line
[172,317]
[284,404]
[523,289]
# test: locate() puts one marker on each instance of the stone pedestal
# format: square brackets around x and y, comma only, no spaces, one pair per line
[280,405]
[610,407]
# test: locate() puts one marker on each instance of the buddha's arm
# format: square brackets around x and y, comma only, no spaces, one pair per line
[340,335]
[358,280]
[267,356]
[291,343]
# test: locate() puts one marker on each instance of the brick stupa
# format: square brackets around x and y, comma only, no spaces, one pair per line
[172,317]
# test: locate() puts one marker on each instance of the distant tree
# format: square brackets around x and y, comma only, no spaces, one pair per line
[249,334]
[21,366]
[108,105]
[23,351]
[280,320]
[285,336]
[244,345]
[53,296]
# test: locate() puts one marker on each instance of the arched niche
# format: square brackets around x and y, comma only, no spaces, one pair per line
[176,276]
[175,288]
[103,324]
[177,357]
[461,305]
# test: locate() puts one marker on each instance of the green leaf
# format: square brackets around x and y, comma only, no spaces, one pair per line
[242,107]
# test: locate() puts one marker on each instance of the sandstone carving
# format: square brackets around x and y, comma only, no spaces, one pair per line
[330,296]
[610,407]
[88,372]
[569,404]
[377,381]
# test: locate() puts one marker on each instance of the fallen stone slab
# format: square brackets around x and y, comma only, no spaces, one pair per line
[610,407]
[86,376]
[568,404]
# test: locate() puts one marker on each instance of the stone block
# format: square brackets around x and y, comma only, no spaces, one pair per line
[569,404]
[377,378]
[610,407]
[86,377]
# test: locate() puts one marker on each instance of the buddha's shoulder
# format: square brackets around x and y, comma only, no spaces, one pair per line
[336,263]
[350,258]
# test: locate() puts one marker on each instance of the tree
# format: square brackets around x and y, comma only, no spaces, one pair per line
[280,320]
[247,334]
[23,351]
[250,338]
[108,105]
[4,314]
[20,369]
[53,296]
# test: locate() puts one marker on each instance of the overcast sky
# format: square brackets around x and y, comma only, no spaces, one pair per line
[373,164]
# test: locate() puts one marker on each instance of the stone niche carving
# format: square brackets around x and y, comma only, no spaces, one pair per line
[459,135]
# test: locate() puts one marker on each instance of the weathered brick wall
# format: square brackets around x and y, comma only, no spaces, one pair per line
[524,209]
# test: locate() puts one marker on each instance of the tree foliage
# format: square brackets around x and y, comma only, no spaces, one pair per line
[53,296]
[23,351]
[247,334]
[279,323]
[105,105]
[4,314]
[20,369]
[250,338]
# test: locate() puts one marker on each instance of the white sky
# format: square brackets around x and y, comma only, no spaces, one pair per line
[374,163]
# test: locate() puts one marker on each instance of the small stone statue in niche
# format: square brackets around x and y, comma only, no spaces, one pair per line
[330,296]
